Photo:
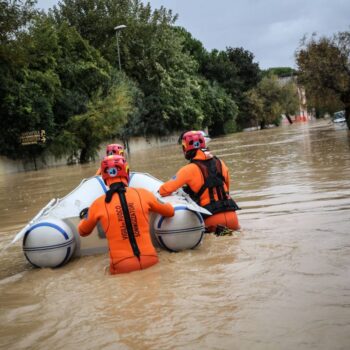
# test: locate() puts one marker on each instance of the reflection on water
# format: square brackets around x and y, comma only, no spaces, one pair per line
[280,283]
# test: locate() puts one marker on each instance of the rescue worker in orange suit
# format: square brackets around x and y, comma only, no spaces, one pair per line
[206,180]
[112,149]
[123,214]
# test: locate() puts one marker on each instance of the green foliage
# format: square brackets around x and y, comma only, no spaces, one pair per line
[28,87]
[169,84]
[82,73]
[58,73]
[324,71]
[164,61]
[58,77]
[235,71]
[270,99]
[105,116]
[218,67]
[95,21]
[14,16]
[289,98]
[151,53]
[280,72]
[192,46]
[255,105]
[219,108]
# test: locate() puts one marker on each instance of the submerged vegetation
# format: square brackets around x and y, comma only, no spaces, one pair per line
[59,72]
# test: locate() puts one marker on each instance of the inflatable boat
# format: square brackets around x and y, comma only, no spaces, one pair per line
[51,238]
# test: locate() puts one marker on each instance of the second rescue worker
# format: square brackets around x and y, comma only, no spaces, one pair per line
[207,181]
[123,214]
[114,149]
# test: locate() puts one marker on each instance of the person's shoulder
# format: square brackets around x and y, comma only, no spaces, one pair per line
[189,166]
[98,201]
[223,165]
[221,160]
[141,191]
[186,170]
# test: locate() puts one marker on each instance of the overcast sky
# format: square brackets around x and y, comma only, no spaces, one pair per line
[270,29]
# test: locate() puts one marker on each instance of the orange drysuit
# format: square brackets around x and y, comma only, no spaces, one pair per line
[192,176]
[127,253]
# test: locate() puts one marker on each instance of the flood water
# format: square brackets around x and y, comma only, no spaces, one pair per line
[282,282]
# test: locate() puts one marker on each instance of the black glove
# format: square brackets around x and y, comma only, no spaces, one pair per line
[223,231]
[84,213]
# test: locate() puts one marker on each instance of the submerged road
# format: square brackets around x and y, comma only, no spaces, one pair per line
[282,282]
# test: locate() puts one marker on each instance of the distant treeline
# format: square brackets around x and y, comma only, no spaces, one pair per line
[59,72]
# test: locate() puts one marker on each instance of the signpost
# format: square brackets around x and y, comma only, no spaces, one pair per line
[33,137]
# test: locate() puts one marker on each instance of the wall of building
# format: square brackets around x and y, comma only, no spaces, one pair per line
[134,144]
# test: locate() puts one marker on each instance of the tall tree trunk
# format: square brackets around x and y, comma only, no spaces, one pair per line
[83,156]
[289,118]
[347,115]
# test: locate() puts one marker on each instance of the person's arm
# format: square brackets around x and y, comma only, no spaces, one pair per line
[175,183]
[87,224]
[226,175]
[156,205]
[98,172]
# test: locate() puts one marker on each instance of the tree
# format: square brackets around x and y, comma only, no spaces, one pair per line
[266,102]
[324,71]
[280,72]
[95,21]
[94,101]
[289,99]
[255,105]
[104,118]
[82,71]
[219,109]
[167,75]
[192,46]
[28,81]
[56,81]
[14,16]
[153,55]
[236,72]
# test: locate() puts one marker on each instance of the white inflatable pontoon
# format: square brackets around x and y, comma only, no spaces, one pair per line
[51,238]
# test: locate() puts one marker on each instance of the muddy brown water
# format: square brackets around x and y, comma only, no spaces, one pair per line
[282,282]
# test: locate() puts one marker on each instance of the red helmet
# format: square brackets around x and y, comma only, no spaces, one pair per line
[114,166]
[192,140]
[114,149]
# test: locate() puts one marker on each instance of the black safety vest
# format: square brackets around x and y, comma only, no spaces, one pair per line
[213,179]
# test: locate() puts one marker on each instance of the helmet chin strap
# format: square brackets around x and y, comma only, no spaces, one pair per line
[110,181]
[191,154]
[115,187]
